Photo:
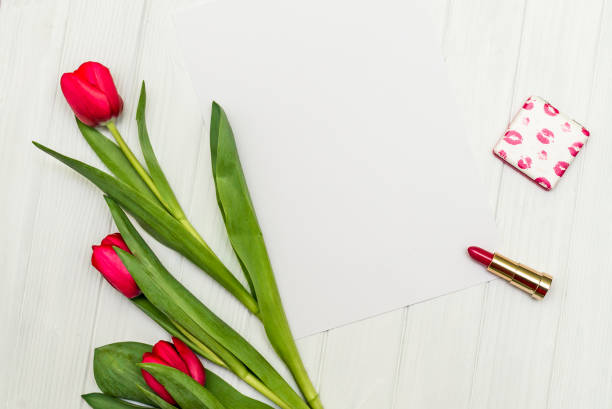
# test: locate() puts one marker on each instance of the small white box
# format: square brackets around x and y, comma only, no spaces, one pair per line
[541,142]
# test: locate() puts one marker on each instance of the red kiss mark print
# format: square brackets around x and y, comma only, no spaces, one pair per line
[575,148]
[526,121]
[550,110]
[502,154]
[524,163]
[560,168]
[542,181]
[585,132]
[545,136]
[566,127]
[528,105]
[513,137]
[542,155]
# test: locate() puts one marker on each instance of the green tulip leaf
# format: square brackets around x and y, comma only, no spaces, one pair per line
[165,226]
[156,399]
[110,154]
[232,193]
[188,393]
[248,244]
[102,401]
[229,396]
[116,372]
[159,317]
[157,174]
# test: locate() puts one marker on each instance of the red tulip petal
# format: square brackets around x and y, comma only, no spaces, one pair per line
[73,93]
[89,104]
[157,387]
[108,263]
[116,240]
[100,77]
[196,369]
[165,351]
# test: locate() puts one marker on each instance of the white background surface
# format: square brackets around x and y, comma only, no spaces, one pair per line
[486,347]
[352,148]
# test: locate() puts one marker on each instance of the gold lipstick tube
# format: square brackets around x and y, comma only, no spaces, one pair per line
[527,279]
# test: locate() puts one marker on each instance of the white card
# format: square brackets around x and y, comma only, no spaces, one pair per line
[357,164]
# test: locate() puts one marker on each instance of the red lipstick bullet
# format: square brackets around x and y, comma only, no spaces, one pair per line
[527,279]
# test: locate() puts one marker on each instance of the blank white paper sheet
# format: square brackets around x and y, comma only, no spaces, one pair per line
[357,164]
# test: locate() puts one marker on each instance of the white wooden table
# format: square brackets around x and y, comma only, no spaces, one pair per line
[486,347]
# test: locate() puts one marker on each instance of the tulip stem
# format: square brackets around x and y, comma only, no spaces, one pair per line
[189,227]
[264,390]
[135,163]
[201,348]
[300,375]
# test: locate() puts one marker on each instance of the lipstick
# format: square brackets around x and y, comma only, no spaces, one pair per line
[527,279]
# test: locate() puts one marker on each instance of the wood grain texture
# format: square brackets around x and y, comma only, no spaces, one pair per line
[487,346]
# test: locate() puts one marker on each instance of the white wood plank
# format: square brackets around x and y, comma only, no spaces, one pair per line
[581,369]
[518,336]
[24,32]
[440,351]
[55,317]
[360,363]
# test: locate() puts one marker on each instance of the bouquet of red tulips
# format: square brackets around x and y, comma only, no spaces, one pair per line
[168,375]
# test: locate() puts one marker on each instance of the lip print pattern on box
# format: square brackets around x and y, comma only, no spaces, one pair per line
[545,136]
[575,148]
[541,142]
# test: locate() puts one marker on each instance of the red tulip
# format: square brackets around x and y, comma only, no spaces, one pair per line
[107,262]
[91,93]
[177,356]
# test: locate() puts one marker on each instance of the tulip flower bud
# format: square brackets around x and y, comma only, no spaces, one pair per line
[91,93]
[177,356]
[108,263]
